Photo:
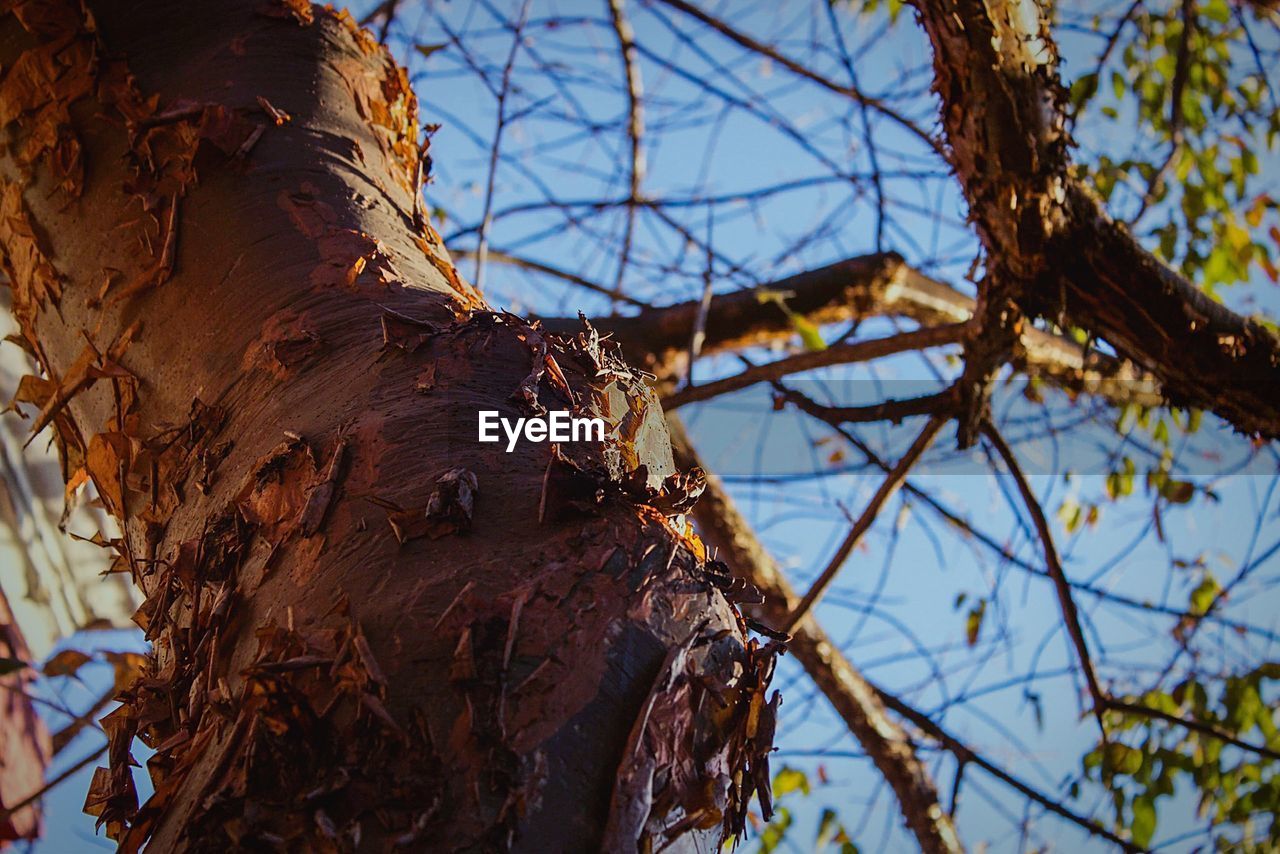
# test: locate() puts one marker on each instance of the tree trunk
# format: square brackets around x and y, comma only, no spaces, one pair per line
[25,748]
[369,629]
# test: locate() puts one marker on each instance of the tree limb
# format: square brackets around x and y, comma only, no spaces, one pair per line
[1050,244]
[880,284]
[837,354]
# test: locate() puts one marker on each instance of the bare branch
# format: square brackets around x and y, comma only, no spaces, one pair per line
[1070,616]
[724,529]
[836,354]
[887,489]
[1193,725]
[968,755]
[865,286]
[495,151]
[795,67]
[635,129]
[50,785]
[549,270]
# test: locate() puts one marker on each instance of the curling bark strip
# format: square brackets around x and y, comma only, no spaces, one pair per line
[368,629]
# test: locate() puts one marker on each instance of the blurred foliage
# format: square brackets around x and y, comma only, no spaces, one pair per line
[1188,77]
[788,784]
[1148,761]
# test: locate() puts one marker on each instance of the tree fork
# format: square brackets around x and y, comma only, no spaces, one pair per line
[1050,245]
[368,629]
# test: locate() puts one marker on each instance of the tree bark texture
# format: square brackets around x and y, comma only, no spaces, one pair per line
[369,630]
[1051,248]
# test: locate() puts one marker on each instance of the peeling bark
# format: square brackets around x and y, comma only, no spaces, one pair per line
[369,630]
[1051,249]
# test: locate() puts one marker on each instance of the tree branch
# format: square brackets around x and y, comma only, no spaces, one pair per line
[1070,616]
[1049,242]
[887,489]
[743,40]
[880,284]
[837,354]
[635,128]
[968,755]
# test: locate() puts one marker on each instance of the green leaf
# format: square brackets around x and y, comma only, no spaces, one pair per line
[1121,759]
[428,49]
[789,780]
[1144,821]
[776,831]
[809,333]
[828,829]
[764,295]
[1204,594]
[1083,89]
[973,623]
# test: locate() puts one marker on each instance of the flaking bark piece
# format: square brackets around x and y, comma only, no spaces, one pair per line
[737,590]
[404,332]
[299,10]
[543,365]
[632,799]
[275,498]
[452,503]
[321,497]
[277,115]
[448,510]
[680,492]
[296,349]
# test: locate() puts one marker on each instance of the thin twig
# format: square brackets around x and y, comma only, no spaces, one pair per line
[836,354]
[704,309]
[1194,725]
[867,137]
[635,130]
[887,489]
[1182,68]
[499,257]
[966,754]
[64,736]
[797,68]
[6,812]
[1070,616]
[482,250]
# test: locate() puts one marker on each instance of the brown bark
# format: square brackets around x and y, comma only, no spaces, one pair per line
[1051,248]
[25,748]
[877,285]
[368,628]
